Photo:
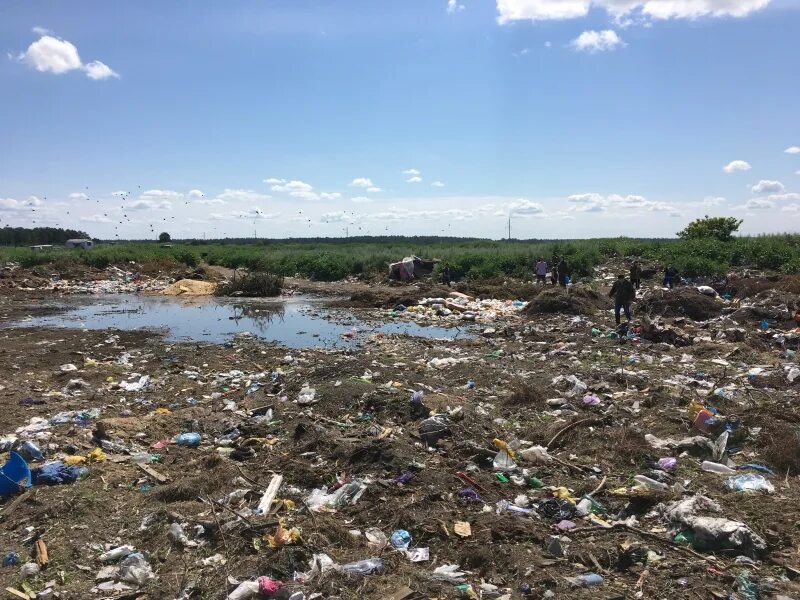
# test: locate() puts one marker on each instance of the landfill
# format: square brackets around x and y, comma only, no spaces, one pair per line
[546,455]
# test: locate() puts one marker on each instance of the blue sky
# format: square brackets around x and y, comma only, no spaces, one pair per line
[577,118]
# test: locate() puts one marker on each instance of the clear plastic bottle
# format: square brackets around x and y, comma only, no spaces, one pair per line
[712,467]
[651,484]
[588,580]
[363,567]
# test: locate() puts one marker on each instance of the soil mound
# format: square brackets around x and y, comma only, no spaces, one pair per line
[576,301]
[682,302]
[190,287]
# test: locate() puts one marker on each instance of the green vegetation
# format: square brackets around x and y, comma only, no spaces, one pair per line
[718,228]
[164,237]
[27,236]
[329,260]
[255,284]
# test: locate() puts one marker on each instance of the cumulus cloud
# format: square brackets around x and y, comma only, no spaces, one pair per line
[411,172]
[237,195]
[364,182]
[766,186]
[784,197]
[597,41]
[712,201]
[415,179]
[195,194]
[541,10]
[96,219]
[594,202]
[454,6]
[300,189]
[12,205]
[374,189]
[759,204]
[793,150]
[437,184]
[120,194]
[737,165]
[145,204]
[161,195]
[524,208]
[50,54]
[78,196]
[361,200]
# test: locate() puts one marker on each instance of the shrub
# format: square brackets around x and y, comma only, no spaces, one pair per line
[257,284]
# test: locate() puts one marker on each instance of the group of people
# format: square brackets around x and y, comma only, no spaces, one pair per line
[559,275]
[624,290]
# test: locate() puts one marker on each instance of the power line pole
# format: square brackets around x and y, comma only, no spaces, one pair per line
[509,229]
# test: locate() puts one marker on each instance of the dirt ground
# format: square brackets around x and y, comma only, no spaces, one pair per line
[363,427]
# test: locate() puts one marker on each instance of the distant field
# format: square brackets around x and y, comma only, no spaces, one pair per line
[473,259]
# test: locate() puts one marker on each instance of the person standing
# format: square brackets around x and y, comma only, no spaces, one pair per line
[636,275]
[562,272]
[669,277]
[623,293]
[447,276]
[541,271]
[554,270]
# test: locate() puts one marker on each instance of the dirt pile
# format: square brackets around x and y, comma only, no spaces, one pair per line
[575,301]
[680,302]
[190,287]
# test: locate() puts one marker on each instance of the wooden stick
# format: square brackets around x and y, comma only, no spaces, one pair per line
[567,428]
[41,553]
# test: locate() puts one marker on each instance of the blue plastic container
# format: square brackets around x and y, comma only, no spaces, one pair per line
[14,476]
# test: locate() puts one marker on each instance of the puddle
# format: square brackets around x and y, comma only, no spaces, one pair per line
[296,322]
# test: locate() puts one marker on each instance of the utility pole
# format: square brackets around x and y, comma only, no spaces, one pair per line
[509,229]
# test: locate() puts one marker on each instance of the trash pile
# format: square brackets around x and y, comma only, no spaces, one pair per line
[458,307]
[557,456]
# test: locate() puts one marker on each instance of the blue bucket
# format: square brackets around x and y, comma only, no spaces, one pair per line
[14,476]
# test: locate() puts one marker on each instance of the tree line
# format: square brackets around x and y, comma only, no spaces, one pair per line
[24,236]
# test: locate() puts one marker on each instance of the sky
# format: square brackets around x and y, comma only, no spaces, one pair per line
[295,118]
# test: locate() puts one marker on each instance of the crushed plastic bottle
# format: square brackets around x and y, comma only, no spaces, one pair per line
[190,440]
[712,467]
[587,580]
[363,567]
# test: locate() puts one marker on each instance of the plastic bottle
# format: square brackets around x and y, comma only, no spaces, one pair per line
[363,567]
[584,507]
[30,452]
[142,458]
[588,580]
[117,553]
[191,440]
[651,484]
[712,467]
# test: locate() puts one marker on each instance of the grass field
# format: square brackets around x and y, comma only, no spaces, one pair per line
[330,260]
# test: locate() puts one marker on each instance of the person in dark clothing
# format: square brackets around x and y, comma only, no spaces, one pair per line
[562,272]
[541,271]
[446,275]
[670,274]
[636,275]
[623,293]
[554,270]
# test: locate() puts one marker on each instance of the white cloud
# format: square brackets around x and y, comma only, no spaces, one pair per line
[361,200]
[50,54]
[793,150]
[96,219]
[759,204]
[40,31]
[709,201]
[374,189]
[300,189]
[454,6]
[155,195]
[594,202]
[541,10]
[78,196]
[438,184]
[784,197]
[411,172]
[414,179]
[99,70]
[364,182]
[236,195]
[12,205]
[120,193]
[195,194]
[149,203]
[524,208]
[767,186]
[338,216]
[597,41]
[736,165]
[585,198]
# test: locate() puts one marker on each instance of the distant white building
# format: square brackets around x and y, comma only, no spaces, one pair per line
[85,244]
